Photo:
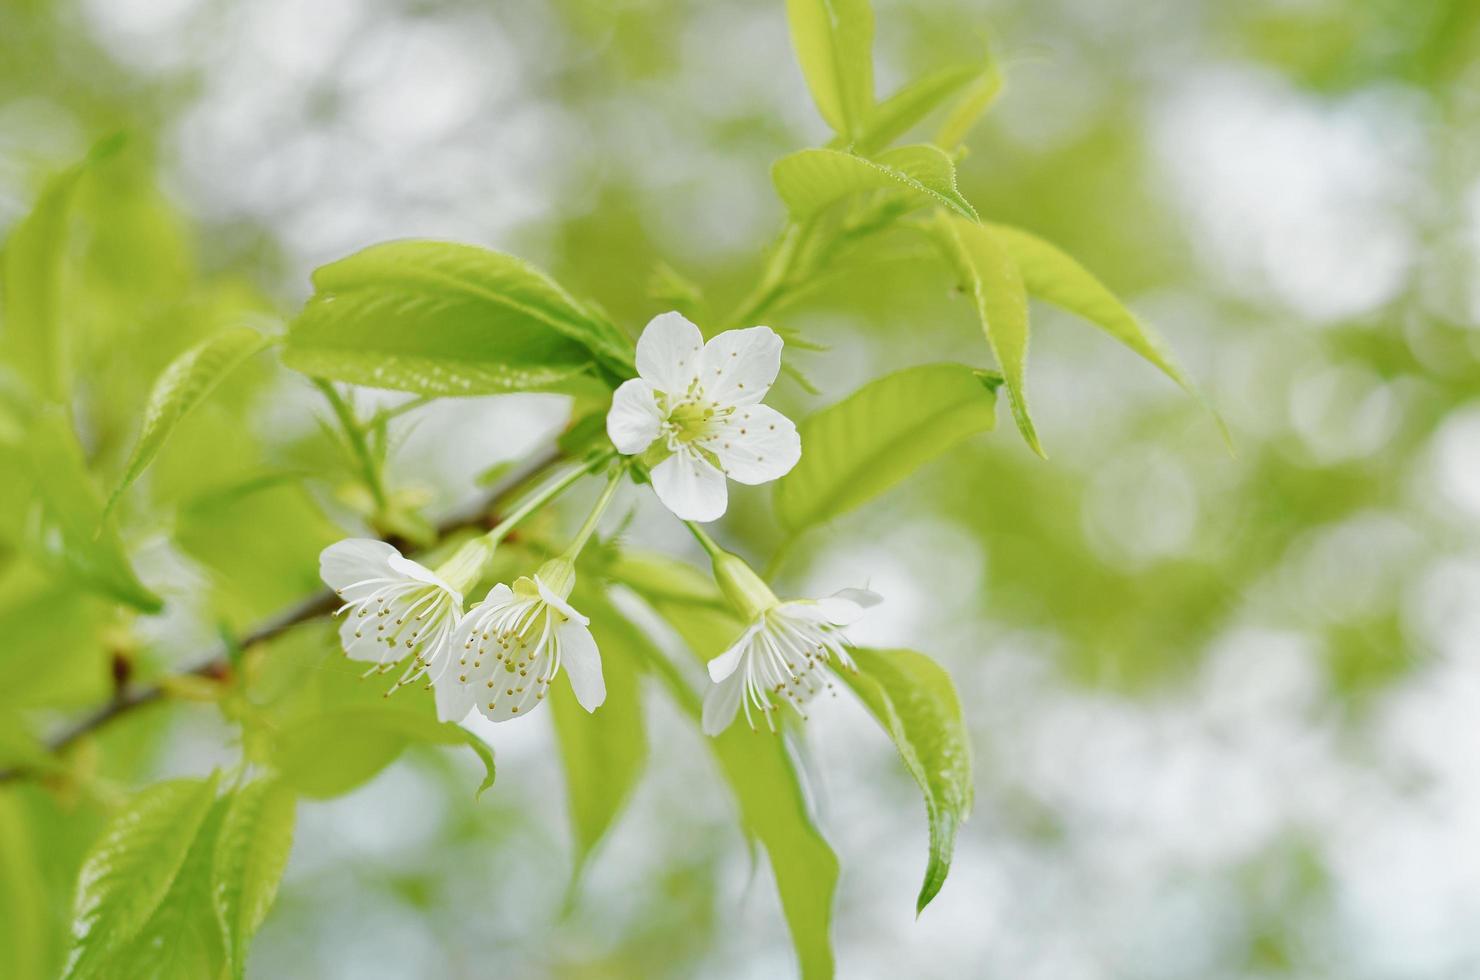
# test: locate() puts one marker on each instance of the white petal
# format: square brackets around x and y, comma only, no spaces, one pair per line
[454,697]
[366,647]
[668,352]
[846,605]
[559,604]
[505,703]
[690,487]
[724,665]
[582,661]
[352,560]
[419,572]
[756,445]
[721,702]
[739,366]
[633,420]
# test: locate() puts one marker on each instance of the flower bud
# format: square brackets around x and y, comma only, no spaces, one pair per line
[746,590]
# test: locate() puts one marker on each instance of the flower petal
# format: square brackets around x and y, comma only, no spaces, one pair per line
[721,702]
[756,445]
[558,604]
[724,665]
[367,646]
[454,698]
[846,605]
[690,487]
[738,367]
[633,420]
[668,352]
[582,661]
[505,695]
[353,560]
[415,570]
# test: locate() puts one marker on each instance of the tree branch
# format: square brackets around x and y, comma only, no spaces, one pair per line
[218,664]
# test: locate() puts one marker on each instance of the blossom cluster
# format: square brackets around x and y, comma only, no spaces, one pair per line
[693,418]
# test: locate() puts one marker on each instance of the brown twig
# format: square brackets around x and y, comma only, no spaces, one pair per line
[218,664]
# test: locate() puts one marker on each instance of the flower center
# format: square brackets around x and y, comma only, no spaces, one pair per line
[689,420]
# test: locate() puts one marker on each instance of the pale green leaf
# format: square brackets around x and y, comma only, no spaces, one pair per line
[603,751]
[1054,276]
[438,318]
[913,698]
[991,278]
[895,116]
[331,753]
[974,102]
[69,528]
[181,940]
[868,442]
[32,268]
[23,915]
[187,380]
[811,180]
[251,853]
[132,868]
[35,335]
[773,805]
[834,42]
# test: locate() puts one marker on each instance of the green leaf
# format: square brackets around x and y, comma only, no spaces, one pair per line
[603,751]
[331,753]
[1055,277]
[991,277]
[773,805]
[181,940]
[913,698]
[23,909]
[868,442]
[131,869]
[834,41]
[438,318]
[69,528]
[895,116]
[187,380]
[32,270]
[251,853]
[811,180]
[972,105]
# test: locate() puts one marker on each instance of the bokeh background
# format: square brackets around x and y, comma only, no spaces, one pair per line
[1225,708]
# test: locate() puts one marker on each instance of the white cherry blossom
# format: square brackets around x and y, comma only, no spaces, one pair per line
[700,403]
[394,608]
[510,647]
[780,655]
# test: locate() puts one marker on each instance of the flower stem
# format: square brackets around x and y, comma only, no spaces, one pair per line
[354,434]
[543,497]
[705,541]
[589,528]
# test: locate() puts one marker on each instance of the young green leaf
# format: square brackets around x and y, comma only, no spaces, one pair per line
[250,855]
[987,270]
[974,102]
[868,442]
[913,698]
[438,318]
[184,384]
[35,338]
[131,869]
[773,805]
[1052,275]
[834,42]
[811,180]
[603,751]
[181,940]
[329,754]
[895,116]
[70,529]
